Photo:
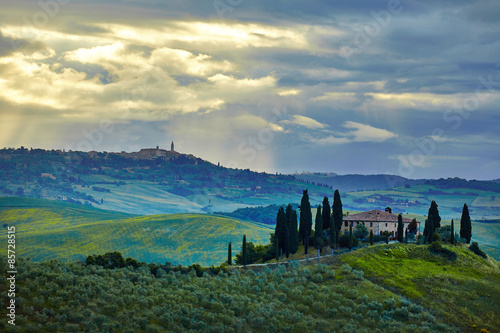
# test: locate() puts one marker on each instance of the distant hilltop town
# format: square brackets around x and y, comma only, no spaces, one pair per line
[143,154]
[147,153]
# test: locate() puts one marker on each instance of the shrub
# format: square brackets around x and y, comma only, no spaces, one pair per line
[437,248]
[344,241]
[474,247]
[358,274]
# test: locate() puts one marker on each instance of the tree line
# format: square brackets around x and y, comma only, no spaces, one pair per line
[327,231]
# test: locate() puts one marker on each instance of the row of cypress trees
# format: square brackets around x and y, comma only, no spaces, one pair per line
[433,222]
[328,223]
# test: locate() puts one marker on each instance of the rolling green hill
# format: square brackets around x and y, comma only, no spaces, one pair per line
[382,288]
[180,183]
[464,291]
[49,229]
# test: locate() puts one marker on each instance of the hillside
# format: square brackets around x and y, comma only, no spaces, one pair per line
[464,291]
[395,288]
[352,183]
[50,229]
[156,181]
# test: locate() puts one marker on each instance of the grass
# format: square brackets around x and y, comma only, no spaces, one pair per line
[465,292]
[47,230]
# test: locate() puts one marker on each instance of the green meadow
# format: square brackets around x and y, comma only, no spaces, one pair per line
[49,229]
[464,291]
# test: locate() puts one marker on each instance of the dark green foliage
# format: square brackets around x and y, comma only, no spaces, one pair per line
[229,255]
[108,260]
[465,225]
[400,228]
[444,233]
[305,224]
[371,237]
[437,248]
[280,230]
[337,214]
[434,212]
[474,247]
[344,240]
[254,253]
[386,236]
[428,230]
[413,226]
[360,231]
[293,235]
[350,236]
[288,223]
[332,233]
[261,214]
[326,213]
[318,230]
[244,251]
[70,297]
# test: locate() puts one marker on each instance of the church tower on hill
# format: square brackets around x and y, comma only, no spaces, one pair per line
[172,146]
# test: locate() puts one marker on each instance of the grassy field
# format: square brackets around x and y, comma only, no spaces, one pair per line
[383,288]
[50,229]
[465,291]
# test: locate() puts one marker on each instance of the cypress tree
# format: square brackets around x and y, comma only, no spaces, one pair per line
[337,215]
[452,233]
[326,213]
[318,230]
[244,250]
[332,233]
[400,228]
[288,222]
[434,212]
[229,255]
[350,236]
[293,235]
[305,225]
[277,249]
[280,230]
[465,225]
[371,237]
[429,229]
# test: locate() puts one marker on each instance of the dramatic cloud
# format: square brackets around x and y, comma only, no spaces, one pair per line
[359,79]
[304,121]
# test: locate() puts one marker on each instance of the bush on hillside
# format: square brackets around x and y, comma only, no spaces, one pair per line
[344,240]
[437,248]
[474,247]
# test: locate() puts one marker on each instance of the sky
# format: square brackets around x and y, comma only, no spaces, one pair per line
[409,88]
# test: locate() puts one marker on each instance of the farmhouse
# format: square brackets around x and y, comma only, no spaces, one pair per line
[378,221]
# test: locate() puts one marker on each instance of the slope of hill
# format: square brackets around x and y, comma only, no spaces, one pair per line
[464,291]
[145,184]
[351,183]
[48,230]
[395,288]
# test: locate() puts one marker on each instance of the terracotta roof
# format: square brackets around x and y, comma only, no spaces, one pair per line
[375,216]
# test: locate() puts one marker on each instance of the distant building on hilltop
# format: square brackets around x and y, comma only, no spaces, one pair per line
[172,146]
[378,221]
